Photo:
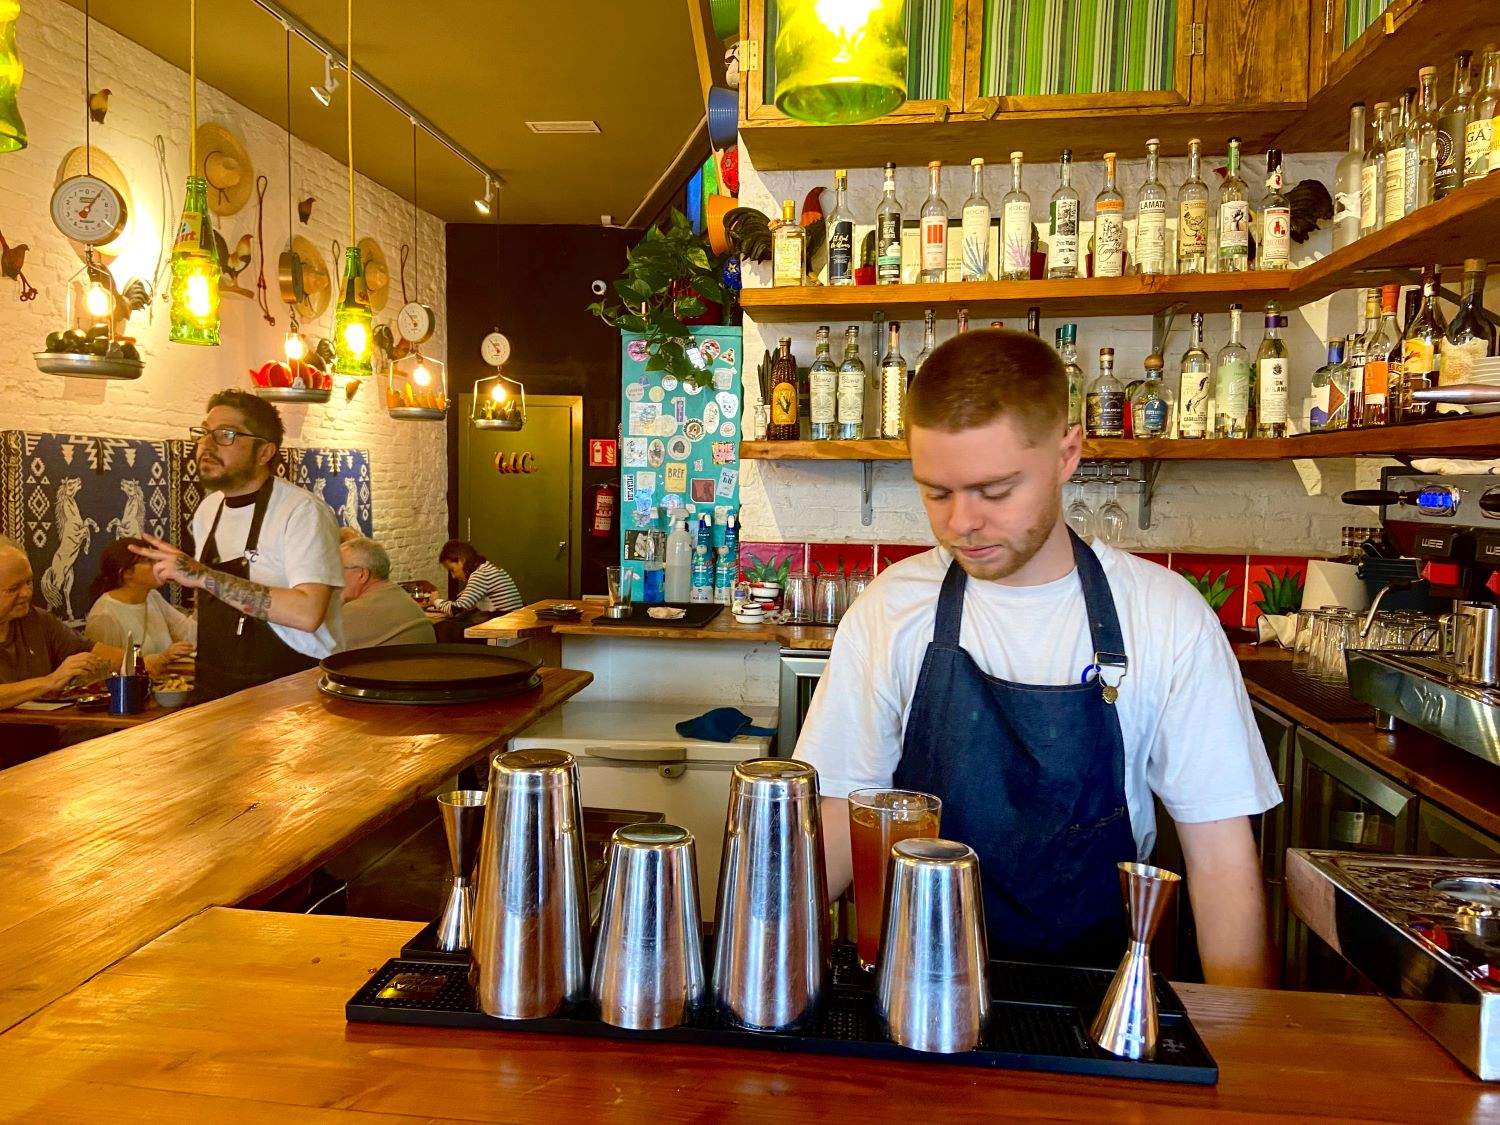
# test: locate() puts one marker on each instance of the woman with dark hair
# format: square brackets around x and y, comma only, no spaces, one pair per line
[487,588]
[127,602]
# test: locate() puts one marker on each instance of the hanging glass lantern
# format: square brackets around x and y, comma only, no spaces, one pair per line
[12,128]
[195,272]
[840,61]
[499,403]
[417,389]
[353,322]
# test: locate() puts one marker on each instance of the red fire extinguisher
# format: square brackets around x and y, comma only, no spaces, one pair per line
[603,522]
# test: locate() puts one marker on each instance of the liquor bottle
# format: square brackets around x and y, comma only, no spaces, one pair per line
[975,222]
[1421,142]
[1372,175]
[1326,399]
[1104,405]
[788,249]
[1152,410]
[1062,249]
[1397,126]
[823,391]
[1276,218]
[1015,230]
[679,560]
[893,385]
[1271,378]
[1067,348]
[1192,216]
[840,234]
[1383,339]
[1109,225]
[1234,216]
[1231,384]
[1479,136]
[784,394]
[1346,180]
[888,233]
[1422,350]
[851,401]
[963,321]
[929,340]
[1034,321]
[1341,393]
[1193,386]
[1452,124]
[934,227]
[1151,217]
[872,387]
[1471,336]
[1356,353]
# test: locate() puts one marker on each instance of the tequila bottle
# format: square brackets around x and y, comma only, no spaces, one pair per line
[1372,173]
[823,386]
[1272,376]
[851,392]
[1452,124]
[934,227]
[1152,408]
[1192,216]
[1067,348]
[784,394]
[975,222]
[1151,218]
[1421,143]
[1479,136]
[1062,248]
[1015,250]
[788,249]
[1397,125]
[1194,386]
[1109,225]
[888,233]
[1346,209]
[840,234]
[1104,405]
[1276,218]
[929,340]
[893,385]
[1234,217]
[1231,392]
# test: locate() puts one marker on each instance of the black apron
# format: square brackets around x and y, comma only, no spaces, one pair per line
[1032,777]
[234,651]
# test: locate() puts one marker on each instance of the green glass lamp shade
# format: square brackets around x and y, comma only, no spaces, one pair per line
[12,128]
[195,272]
[840,61]
[353,322]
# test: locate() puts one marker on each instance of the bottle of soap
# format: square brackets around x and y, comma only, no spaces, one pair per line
[679,561]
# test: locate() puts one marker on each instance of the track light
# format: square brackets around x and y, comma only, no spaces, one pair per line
[324,92]
[484,206]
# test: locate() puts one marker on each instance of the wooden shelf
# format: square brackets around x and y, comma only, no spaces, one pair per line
[1469,436]
[1464,225]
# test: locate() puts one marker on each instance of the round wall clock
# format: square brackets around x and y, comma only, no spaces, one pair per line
[416,322]
[494,349]
[88,210]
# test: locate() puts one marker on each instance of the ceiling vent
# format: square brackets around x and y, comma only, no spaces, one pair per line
[563,126]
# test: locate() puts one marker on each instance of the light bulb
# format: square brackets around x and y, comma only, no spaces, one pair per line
[497,392]
[295,347]
[199,299]
[482,206]
[356,338]
[421,376]
[98,300]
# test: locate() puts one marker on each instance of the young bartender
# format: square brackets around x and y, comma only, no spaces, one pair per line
[1043,689]
[268,559]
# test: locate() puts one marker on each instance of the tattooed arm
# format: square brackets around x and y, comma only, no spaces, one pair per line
[298,607]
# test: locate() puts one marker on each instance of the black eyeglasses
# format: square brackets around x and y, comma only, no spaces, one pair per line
[222,435]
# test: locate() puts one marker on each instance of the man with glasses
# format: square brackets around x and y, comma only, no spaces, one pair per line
[268,556]
[376,610]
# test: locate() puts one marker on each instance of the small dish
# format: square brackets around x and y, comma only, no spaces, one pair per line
[170,699]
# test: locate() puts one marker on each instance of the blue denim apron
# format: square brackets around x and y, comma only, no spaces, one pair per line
[1032,777]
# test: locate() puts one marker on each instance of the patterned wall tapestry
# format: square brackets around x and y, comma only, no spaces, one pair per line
[65,497]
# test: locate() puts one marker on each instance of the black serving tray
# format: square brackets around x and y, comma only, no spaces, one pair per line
[697,616]
[1038,1019]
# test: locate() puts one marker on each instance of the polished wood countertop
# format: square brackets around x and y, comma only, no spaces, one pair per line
[239,1015]
[523,623]
[108,844]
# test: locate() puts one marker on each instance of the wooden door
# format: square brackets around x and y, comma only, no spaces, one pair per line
[1255,52]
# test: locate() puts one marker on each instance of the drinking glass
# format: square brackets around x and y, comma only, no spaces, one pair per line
[828,599]
[797,599]
[1079,515]
[854,586]
[1302,638]
[620,581]
[1341,627]
[1113,519]
[879,818]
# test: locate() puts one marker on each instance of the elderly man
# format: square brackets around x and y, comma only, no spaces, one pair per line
[38,653]
[376,610]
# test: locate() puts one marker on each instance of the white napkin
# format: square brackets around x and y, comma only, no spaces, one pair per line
[1278,627]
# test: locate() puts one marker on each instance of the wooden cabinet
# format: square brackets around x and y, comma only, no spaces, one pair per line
[1254,53]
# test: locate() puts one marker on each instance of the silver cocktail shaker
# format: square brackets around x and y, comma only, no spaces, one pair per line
[531,912]
[771,939]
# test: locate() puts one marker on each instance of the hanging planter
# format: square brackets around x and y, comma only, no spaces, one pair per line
[291,380]
[417,390]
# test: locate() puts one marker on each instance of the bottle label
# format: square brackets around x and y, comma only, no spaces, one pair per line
[786,265]
[1272,398]
[1417,359]
[189,233]
[1477,138]
[1192,404]
[1075,399]
[1232,395]
[1346,209]
[1458,359]
[1377,378]
[1234,226]
[1192,227]
[892,402]
[935,244]
[976,244]
[1063,249]
[1367,197]
[1411,161]
[1317,415]
[1395,184]
[1151,235]
[841,253]
[1106,412]
[851,398]
[1017,250]
[823,397]
[1109,242]
[784,404]
[888,249]
[1450,153]
[1276,236]
[1154,417]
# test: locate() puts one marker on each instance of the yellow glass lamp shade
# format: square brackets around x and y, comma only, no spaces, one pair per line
[195,273]
[499,403]
[418,389]
[840,61]
[12,128]
[353,323]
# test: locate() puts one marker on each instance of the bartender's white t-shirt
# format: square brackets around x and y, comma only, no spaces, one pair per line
[299,542]
[1189,733]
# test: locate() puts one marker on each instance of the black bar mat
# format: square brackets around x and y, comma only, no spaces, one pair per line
[1038,1021]
[698,615]
[1329,701]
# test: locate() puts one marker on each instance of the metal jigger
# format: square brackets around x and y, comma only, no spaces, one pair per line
[463,817]
[1126,1024]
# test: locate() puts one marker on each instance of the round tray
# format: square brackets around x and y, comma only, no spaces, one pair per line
[417,413]
[292,394]
[80,366]
[428,668]
[416,698]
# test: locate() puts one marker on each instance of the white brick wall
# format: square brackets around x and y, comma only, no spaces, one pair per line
[150,98]
[1198,505]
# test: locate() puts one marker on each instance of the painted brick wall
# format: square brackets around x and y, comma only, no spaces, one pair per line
[149,100]
[1204,505]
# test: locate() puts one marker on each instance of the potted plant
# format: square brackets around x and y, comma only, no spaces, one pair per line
[669,276]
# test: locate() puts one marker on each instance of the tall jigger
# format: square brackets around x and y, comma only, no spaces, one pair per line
[1126,1024]
[463,820]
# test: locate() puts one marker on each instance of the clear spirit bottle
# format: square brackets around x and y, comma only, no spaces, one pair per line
[851,384]
[1192,216]
[888,233]
[1324,381]
[823,390]
[1015,230]
[929,340]
[1346,176]
[1152,409]
[963,321]
[934,227]
[1231,394]
[1396,128]
[893,382]
[1062,215]
[1372,173]
[1356,351]
[1383,339]
[975,224]
[1479,135]
[1421,350]
[1151,217]
[1421,143]
[1272,376]
[788,249]
[1234,216]
[840,227]
[1452,123]
[784,394]
[1109,225]
[1034,321]
[1276,218]
[1104,405]
[1067,348]
[1194,386]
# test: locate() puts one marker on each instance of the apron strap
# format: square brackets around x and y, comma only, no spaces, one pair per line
[950,607]
[258,513]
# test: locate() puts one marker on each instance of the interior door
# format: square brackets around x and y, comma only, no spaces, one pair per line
[520,494]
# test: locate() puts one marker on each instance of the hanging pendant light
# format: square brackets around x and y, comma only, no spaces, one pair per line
[353,322]
[416,387]
[12,128]
[839,62]
[195,265]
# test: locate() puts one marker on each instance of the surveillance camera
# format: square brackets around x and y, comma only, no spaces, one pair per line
[599,288]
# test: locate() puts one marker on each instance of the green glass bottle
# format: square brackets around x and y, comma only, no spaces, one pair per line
[12,128]
[837,64]
[195,272]
[352,321]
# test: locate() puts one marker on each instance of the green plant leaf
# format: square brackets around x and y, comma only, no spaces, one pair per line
[698,256]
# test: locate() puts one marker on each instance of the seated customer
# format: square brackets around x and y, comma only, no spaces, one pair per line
[376,610]
[38,653]
[487,589]
[128,604]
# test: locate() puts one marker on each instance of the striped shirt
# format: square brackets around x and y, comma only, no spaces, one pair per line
[489,590]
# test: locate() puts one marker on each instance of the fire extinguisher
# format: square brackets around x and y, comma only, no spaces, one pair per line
[603,522]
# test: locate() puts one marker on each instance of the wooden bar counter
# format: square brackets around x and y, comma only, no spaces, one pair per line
[239,1015]
[110,843]
[524,624]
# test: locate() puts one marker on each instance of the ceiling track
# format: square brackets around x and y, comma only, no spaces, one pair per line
[385,93]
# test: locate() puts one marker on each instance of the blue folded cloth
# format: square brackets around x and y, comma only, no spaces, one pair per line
[722,724]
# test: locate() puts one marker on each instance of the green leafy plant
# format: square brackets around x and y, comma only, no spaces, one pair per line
[668,275]
[1215,592]
[1280,593]
[769,570]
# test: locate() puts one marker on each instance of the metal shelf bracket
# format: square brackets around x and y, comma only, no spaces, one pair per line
[1150,470]
[866,501]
